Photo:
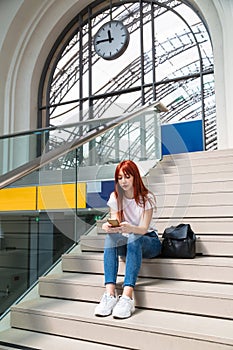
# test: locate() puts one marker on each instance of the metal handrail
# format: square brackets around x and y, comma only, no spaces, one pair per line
[55,127]
[37,163]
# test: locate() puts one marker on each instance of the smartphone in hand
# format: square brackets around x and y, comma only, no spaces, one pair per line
[113,222]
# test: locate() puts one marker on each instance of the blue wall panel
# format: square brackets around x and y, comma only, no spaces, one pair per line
[176,138]
[99,199]
[182,137]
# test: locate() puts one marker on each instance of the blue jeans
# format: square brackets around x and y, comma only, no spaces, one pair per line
[135,247]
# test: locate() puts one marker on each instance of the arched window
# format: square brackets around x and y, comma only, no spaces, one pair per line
[169,58]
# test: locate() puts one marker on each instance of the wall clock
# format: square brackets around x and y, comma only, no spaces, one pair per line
[111,40]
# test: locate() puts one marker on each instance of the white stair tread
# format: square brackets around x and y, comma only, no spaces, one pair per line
[185,179]
[181,325]
[197,298]
[198,261]
[208,269]
[206,245]
[208,154]
[211,290]
[43,341]
[184,162]
[192,188]
[200,237]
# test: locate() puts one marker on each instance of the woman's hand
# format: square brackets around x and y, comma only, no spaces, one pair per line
[126,227]
[110,229]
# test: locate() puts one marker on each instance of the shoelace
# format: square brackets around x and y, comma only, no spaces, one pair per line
[123,300]
[106,297]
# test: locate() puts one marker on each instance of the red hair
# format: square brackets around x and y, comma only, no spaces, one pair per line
[128,167]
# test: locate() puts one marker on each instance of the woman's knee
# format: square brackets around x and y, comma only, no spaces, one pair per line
[151,247]
[111,240]
[134,243]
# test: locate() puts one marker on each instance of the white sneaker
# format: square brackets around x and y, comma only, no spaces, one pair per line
[124,308]
[106,305]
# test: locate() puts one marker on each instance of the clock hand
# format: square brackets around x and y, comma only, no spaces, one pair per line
[101,41]
[109,36]
[109,39]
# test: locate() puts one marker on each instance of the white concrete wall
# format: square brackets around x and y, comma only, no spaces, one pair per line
[28,29]
[223,51]
[218,15]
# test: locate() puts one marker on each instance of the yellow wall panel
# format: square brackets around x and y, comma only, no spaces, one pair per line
[23,198]
[49,197]
[82,193]
[56,197]
[60,196]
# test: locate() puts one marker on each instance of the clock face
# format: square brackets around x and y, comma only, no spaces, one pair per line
[111,40]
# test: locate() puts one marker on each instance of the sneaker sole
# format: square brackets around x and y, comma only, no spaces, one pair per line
[100,315]
[123,317]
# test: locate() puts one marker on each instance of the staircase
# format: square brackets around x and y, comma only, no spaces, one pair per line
[180,303]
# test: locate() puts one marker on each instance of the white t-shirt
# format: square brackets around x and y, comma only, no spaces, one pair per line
[132,211]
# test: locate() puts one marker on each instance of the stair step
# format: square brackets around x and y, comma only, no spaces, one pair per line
[209,269]
[190,168]
[21,339]
[76,320]
[193,161]
[214,199]
[184,211]
[189,178]
[220,226]
[205,245]
[180,296]
[212,226]
[216,154]
[200,187]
